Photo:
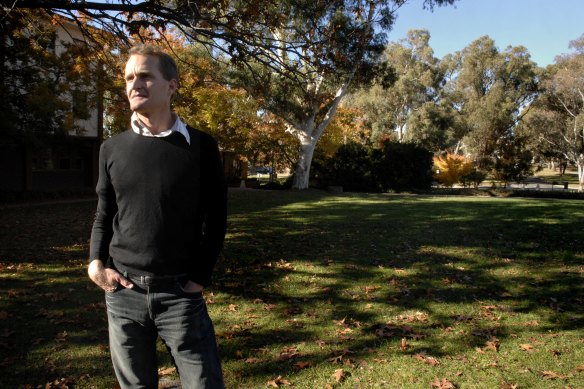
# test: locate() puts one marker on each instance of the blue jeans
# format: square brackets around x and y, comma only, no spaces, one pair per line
[136,318]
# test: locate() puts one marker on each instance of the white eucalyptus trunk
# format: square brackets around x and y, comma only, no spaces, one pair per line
[580,165]
[305,153]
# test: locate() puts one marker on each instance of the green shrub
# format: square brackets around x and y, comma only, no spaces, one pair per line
[473,178]
[350,167]
[402,166]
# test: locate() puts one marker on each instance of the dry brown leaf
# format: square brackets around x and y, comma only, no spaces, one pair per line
[320,343]
[301,365]
[276,382]
[580,368]
[252,360]
[492,345]
[429,360]
[404,344]
[339,375]
[526,347]
[442,384]
[232,307]
[60,383]
[507,385]
[550,375]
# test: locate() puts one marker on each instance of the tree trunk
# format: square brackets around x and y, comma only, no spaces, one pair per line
[581,174]
[302,171]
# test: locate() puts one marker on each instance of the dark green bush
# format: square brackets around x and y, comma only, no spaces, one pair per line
[350,167]
[402,166]
[473,178]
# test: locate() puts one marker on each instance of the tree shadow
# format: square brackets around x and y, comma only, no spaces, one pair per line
[406,256]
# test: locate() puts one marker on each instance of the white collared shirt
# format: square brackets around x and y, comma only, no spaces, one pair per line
[139,128]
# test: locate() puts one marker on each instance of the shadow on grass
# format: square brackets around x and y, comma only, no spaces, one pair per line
[411,258]
[497,256]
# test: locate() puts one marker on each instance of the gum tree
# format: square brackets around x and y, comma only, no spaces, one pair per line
[339,42]
[557,120]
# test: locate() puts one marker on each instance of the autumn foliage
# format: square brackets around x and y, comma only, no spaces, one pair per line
[450,168]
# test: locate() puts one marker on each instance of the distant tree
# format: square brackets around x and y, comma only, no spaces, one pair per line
[347,126]
[489,91]
[512,159]
[408,104]
[339,41]
[557,119]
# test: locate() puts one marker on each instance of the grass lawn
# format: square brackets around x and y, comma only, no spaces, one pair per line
[328,291]
[571,176]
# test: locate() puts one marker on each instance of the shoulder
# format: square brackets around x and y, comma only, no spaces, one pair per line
[116,141]
[118,138]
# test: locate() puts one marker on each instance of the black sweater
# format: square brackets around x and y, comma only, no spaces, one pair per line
[161,205]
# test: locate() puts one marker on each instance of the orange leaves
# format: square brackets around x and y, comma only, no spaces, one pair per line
[450,168]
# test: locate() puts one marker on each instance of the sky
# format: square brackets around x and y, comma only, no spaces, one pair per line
[544,27]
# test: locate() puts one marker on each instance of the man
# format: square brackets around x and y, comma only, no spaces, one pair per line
[158,230]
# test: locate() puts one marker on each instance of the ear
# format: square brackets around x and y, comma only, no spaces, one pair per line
[172,87]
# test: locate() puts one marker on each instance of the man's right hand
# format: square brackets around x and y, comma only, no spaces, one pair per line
[107,279]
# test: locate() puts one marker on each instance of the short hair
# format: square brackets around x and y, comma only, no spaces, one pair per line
[167,65]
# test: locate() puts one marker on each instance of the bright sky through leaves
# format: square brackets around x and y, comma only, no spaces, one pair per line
[545,27]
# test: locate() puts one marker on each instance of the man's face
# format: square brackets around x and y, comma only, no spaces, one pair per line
[146,88]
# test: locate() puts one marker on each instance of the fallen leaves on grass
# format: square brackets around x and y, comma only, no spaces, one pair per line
[492,345]
[339,375]
[442,384]
[278,381]
[288,353]
[404,344]
[527,347]
[550,375]
[426,359]
[60,383]
[61,337]
[302,365]
[507,385]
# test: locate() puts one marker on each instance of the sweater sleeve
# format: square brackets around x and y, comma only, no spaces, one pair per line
[214,208]
[102,231]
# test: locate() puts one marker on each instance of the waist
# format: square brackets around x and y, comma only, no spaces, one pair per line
[154,279]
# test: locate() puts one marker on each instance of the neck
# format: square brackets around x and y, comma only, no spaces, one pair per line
[157,123]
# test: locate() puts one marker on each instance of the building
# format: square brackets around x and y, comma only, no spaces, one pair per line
[60,163]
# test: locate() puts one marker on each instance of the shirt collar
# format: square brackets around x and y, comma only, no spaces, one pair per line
[140,128]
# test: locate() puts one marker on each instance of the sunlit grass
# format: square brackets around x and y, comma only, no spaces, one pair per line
[347,291]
